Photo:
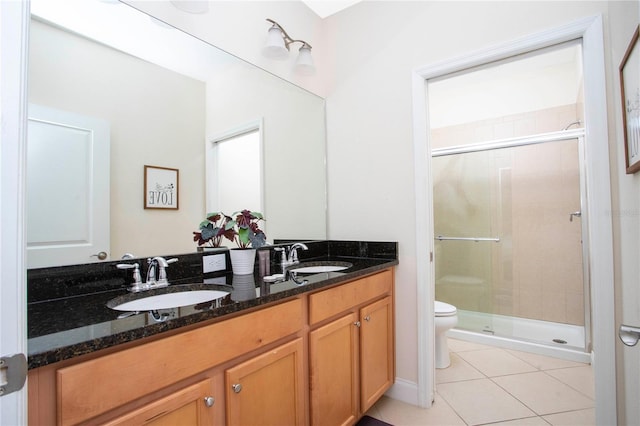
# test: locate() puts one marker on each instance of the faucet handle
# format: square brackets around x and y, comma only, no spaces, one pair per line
[137,279]
[127,265]
[162,272]
[283,253]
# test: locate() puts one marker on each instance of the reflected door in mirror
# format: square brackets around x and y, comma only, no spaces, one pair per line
[68,187]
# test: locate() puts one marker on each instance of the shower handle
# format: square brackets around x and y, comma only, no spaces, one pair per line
[574,214]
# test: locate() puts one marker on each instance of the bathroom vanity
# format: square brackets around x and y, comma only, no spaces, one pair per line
[317,353]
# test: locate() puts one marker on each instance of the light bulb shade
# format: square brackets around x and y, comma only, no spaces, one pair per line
[304,63]
[275,47]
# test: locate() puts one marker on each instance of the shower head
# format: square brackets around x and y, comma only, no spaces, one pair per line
[578,122]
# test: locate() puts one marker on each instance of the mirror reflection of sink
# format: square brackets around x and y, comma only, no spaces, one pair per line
[169,300]
[319,267]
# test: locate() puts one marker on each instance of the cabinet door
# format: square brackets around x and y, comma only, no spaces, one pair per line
[192,405]
[267,389]
[333,357]
[376,351]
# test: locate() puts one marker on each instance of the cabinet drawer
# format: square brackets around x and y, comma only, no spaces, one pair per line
[186,406]
[325,304]
[93,387]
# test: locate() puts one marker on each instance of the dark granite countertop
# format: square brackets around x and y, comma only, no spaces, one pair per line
[75,323]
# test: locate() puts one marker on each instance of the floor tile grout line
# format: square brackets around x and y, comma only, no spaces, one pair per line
[515,397]
[568,384]
[536,369]
[473,366]
[536,414]
[531,408]
[452,409]
[520,418]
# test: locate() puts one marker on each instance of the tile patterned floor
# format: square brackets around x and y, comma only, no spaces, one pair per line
[488,385]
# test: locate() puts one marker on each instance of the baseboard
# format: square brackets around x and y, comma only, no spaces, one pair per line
[405,391]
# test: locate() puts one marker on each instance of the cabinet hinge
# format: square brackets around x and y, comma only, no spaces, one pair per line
[13,373]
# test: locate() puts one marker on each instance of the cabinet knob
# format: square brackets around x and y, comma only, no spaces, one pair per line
[209,401]
[237,387]
[367,318]
[357,323]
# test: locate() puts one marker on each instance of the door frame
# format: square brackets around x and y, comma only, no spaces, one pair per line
[598,203]
[14,27]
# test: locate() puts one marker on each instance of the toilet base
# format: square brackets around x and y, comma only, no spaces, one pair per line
[443,359]
[442,325]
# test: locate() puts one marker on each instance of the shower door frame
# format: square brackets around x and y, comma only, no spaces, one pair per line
[589,31]
[552,137]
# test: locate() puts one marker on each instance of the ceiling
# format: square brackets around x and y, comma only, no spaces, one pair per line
[324,8]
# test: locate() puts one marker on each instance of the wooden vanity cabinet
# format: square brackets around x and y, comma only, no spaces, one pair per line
[322,358]
[351,353]
[130,383]
[267,389]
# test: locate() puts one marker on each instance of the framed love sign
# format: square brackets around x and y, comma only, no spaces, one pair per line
[160,188]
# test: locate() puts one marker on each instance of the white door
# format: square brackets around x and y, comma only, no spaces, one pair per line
[67,202]
[14,18]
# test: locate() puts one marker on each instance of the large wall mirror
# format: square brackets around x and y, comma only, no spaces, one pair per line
[162,96]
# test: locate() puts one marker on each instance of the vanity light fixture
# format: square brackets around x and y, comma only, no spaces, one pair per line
[277,47]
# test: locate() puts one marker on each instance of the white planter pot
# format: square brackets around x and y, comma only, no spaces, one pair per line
[244,288]
[242,261]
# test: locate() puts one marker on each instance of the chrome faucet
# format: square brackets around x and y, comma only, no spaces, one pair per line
[293,253]
[157,272]
[289,255]
[151,272]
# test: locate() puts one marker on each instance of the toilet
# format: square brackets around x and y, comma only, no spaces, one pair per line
[446,319]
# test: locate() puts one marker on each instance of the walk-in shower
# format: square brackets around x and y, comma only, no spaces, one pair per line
[507,169]
[508,249]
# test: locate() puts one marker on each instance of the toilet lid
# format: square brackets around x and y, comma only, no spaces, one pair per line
[444,309]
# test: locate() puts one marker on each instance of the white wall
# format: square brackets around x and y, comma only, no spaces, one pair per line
[624,18]
[375,47]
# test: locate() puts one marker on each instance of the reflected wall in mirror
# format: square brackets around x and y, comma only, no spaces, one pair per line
[166,117]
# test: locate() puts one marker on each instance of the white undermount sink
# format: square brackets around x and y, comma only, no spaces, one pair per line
[170,300]
[320,267]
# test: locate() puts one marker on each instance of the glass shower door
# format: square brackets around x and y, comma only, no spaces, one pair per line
[467,235]
[508,250]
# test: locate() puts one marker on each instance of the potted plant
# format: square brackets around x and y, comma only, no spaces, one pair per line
[248,237]
[241,228]
[213,229]
[246,229]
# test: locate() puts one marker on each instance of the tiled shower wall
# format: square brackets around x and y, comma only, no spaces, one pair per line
[524,195]
[525,124]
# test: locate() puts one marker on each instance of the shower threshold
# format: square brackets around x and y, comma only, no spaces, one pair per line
[558,340]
